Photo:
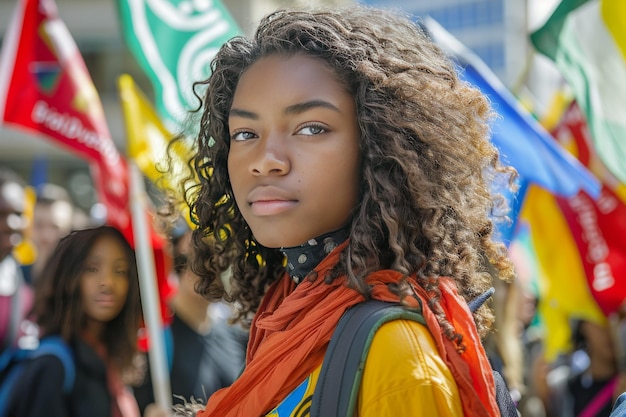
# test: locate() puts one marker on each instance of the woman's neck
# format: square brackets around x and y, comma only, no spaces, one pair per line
[92,335]
[304,258]
[93,331]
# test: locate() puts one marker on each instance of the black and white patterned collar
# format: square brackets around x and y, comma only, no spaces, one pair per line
[304,258]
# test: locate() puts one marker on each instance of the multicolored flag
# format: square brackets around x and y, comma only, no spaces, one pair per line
[563,293]
[523,143]
[598,226]
[46,89]
[587,41]
[174,42]
[578,243]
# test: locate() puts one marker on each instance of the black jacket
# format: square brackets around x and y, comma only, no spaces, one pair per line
[39,392]
[201,364]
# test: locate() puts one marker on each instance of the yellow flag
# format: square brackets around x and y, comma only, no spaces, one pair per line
[25,252]
[148,140]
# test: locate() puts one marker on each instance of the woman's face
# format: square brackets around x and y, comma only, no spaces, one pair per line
[294,159]
[104,280]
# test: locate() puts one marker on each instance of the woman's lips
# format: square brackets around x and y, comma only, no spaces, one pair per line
[271,207]
[270,201]
[106,301]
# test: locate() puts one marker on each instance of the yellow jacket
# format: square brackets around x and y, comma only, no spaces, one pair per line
[403,376]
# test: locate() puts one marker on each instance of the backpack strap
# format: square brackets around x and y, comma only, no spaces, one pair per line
[506,405]
[168,337]
[57,346]
[337,388]
[13,360]
[338,385]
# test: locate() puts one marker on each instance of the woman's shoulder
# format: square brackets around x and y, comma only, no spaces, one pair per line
[40,381]
[407,344]
[49,365]
[403,361]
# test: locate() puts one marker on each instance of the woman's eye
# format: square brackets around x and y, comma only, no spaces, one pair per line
[311,130]
[243,135]
[91,269]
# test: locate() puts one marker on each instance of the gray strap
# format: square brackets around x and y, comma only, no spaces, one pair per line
[477,302]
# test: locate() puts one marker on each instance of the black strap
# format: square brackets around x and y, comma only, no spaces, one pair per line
[337,388]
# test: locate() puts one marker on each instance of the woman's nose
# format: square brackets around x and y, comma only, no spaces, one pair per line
[106,279]
[272,156]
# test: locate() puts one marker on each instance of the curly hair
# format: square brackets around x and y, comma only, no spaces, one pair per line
[426,207]
[58,306]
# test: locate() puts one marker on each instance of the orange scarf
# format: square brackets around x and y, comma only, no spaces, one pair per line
[293,327]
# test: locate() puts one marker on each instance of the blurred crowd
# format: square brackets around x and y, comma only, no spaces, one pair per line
[584,380]
[46,242]
[206,353]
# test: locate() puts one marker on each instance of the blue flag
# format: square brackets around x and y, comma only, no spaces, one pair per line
[523,143]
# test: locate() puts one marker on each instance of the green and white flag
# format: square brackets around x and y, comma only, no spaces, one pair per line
[174,42]
[587,41]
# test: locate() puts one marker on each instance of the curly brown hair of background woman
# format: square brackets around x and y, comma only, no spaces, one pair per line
[427,162]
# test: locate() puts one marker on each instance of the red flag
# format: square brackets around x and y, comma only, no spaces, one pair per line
[597,226]
[45,89]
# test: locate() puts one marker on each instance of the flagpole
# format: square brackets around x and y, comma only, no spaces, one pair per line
[8,52]
[149,295]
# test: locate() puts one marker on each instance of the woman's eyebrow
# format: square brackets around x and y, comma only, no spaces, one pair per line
[243,113]
[307,105]
[293,109]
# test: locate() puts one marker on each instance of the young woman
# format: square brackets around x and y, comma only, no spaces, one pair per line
[89,295]
[339,159]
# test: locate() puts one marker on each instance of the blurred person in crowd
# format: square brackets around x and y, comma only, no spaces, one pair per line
[53,218]
[586,382]
[15,294]
[515,343]
[206,352]
[519,338]
[617,322]
[504,345]
[88,294]
[593,389]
